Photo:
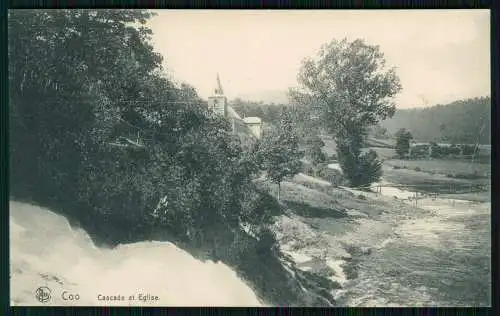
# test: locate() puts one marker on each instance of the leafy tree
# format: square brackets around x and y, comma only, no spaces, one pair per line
[370,166]
[314,152]
[353,89]
[403,138]
[57,60]
[280,152]
[304,107]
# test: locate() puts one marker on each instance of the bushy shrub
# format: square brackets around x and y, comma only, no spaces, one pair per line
[314,152]
[436,150]
[267,241]
[364,170]
[330,175]
[419,151]
[469,150]
[403,138]
[454,150]
[258,208]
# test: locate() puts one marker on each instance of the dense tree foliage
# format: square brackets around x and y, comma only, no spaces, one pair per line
[280,153]
[314,152]
[350,89]
[270,113]
[461,122]
[403,138]
[379,132]
[81,81]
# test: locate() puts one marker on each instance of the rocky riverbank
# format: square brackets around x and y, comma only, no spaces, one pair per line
[364,238]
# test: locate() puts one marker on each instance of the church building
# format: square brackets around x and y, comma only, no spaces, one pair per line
[218,104]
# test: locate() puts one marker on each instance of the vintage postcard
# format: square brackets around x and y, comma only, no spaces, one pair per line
[250,158]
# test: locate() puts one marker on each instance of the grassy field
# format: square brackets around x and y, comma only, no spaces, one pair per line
[443,166]
[447,167]
[331,149]
[410,176]
[311,199]
[444,176]
[384,153]
[458,178]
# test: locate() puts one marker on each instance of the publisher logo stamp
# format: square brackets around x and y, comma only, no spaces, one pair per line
[42,294]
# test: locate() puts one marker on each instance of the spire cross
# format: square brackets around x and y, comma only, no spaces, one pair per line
[218,90]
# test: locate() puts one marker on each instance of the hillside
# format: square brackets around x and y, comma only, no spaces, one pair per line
[464,121]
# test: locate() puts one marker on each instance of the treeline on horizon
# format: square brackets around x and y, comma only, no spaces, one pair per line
[464,121]
[270,113]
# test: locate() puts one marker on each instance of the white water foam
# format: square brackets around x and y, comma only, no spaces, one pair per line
[336,266]
[46,251]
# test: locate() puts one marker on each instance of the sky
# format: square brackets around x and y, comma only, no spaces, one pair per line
[440,55]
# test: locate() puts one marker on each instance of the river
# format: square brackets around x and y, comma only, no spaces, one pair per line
[436,256]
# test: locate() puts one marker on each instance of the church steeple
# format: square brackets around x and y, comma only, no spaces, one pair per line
[218,102]
[218,89]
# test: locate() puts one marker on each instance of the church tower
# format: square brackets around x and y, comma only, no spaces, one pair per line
[218,102]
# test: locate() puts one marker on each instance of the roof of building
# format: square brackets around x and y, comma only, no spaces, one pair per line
[252,119]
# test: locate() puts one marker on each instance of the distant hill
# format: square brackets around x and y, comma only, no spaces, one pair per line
[464,121]
[267,96]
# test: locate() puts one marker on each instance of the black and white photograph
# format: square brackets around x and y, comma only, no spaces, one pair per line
[249,158]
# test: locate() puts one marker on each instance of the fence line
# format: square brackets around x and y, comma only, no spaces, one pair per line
[378,189]
[408,186]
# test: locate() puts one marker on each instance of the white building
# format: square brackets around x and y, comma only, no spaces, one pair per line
[254,124]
